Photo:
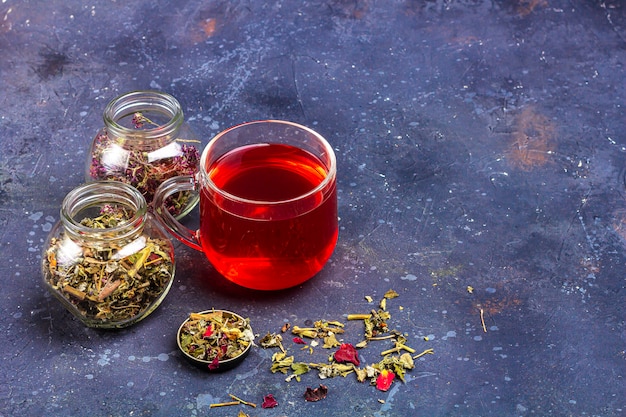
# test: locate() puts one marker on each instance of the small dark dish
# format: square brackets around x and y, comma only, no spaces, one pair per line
[215,340]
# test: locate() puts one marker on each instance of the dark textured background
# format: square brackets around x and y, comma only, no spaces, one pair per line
[480,143]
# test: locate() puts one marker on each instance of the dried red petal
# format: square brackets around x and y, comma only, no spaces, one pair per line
[347,354]
[209,331]
[316,394]
[384,380]
[214,364]
[299,341]
[269,401]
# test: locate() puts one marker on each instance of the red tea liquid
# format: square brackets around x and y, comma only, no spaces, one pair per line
[275,238]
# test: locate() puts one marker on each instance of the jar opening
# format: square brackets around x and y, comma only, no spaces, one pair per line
[144,117]
[106,210]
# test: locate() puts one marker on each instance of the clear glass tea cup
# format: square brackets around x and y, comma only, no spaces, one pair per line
[268,204]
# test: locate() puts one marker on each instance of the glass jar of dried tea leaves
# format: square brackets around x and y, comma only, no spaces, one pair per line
[145,140]
[107,259]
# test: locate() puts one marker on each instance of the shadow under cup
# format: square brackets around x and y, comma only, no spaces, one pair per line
[268,204]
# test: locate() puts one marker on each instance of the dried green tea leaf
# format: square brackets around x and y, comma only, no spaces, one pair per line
[300,368]
[391,294]
[283,365]
[361,344]
[361,374]
[270,340]
[330,341]
[407,361]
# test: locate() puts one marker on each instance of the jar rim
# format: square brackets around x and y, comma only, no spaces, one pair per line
[141,101]
[100,193]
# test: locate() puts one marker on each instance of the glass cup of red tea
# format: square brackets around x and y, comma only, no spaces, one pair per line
[268,204]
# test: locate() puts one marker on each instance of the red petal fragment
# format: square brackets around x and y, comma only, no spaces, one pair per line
[347,354]
[214,364]
[269,401]
[299,341]
[384,380]
[316,394]
[208,332]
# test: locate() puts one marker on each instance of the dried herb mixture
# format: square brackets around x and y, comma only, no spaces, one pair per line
[108,283]
[395,362]
[215,336]
[111,160]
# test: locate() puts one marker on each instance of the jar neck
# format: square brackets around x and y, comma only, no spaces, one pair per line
[145,120]
[87,210]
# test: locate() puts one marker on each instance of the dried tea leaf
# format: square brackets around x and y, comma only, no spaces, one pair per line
[283,365]
[407,361]
[391,294]
[330,341]
[361,344]
[316,394]
[300,368]
[271,340]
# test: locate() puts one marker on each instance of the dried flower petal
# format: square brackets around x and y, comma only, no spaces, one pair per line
[384,380]
[316,394]
[347,354]
[208,332]
[269,401]
[215,364]
[299,341]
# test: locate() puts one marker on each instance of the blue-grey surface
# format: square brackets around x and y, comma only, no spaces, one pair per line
[480,144]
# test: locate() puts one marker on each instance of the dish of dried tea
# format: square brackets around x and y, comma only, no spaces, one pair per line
[215,336]
[108,283]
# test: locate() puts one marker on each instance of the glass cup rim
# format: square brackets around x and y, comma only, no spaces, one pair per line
[330,175]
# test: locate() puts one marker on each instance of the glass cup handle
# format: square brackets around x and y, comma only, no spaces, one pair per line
[165,190]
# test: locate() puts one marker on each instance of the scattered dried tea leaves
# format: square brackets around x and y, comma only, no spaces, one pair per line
[316,394]
[395,362]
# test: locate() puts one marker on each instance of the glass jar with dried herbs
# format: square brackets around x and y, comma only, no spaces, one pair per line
[107,259]
[145,140]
